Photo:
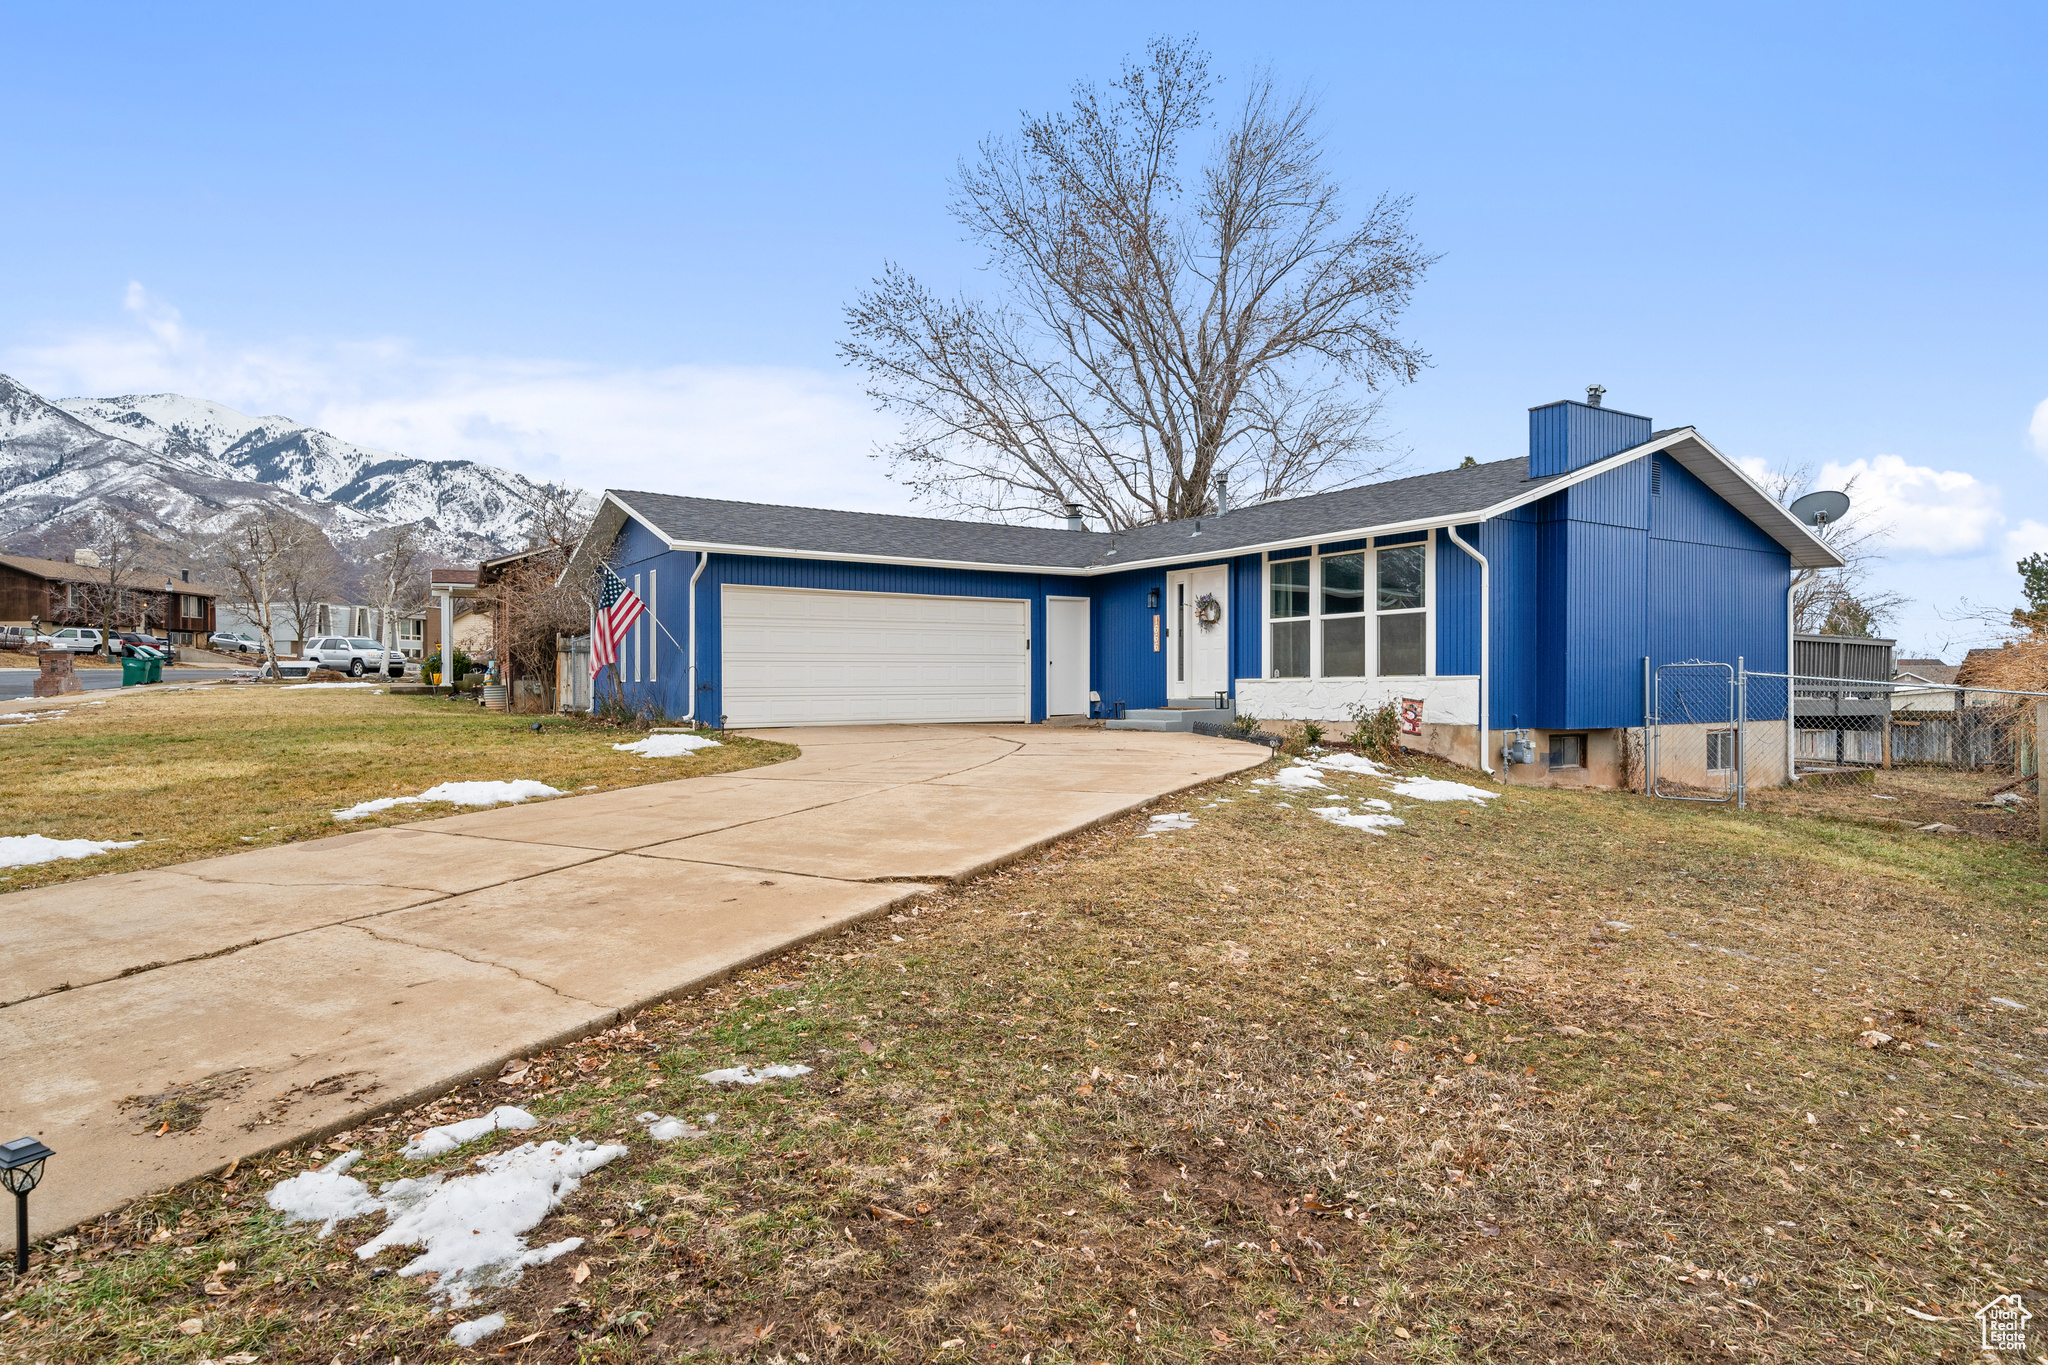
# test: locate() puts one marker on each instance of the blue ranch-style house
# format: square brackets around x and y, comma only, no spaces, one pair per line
[1522,593]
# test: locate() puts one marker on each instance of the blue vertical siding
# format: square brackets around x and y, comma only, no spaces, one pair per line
[1564,436]
[1247,618]
[1457,605]
[1126,668]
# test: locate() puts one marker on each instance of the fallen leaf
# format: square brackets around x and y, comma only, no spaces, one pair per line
[215,1288]
[890,1215]
[1471,1058]
[580,1273]
[191,1327]
[1401,1332]
[1723,1108]
[1399,1046]
[529,1337]
[239,1358]
[1570,1031]
[866,1046]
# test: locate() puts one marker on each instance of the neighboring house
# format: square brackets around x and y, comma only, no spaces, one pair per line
[457,607]
[1608,547]
[61,594]
[1925,685]
[329,618]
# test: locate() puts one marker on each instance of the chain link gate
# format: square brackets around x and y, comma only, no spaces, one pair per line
[1695,732]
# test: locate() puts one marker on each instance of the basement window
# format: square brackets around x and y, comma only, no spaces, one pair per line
[1567,751]
[1720,751]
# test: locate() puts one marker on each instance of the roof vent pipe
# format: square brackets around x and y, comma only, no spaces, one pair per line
[1222,494]
[1074,522]
[1594,393]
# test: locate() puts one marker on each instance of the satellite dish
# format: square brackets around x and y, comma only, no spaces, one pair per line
[1818,509]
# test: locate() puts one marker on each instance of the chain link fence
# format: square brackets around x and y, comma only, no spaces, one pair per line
[1717,731]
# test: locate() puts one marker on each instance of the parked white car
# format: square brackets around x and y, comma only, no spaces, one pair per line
[76,640]
[352,656]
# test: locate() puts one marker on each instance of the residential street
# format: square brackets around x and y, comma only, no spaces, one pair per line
[18,684]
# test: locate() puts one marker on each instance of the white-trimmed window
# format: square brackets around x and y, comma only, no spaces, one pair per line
[1403,611]
[1289,607]
[1355,614]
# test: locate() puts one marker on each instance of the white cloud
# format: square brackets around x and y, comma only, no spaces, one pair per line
[2027,538]
[753,433]
[1940,511]
[2037,432]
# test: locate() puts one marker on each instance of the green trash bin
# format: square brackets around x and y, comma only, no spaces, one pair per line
[134,669]
[155,660]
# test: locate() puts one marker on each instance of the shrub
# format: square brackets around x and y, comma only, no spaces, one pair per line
[1246,721]
[1311,733]
[1375,731]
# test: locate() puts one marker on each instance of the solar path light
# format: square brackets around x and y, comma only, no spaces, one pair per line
[21,1170]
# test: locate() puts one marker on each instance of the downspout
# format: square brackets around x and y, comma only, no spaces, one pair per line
[703,558]
[1485,647]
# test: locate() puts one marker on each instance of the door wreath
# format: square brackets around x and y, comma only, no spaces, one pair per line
[1208,610]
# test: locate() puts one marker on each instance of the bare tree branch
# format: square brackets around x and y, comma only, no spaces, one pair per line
[1152,336]
[1838,601]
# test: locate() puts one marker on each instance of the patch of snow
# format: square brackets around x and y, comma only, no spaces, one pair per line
[26,850]
[326,1196]
[471,1229]
[1372,822]
[1376,804]
[458,794]
[295,687]
[1301,777]
[741,1075]
[1172,820]
[1617,924]
[2008,799]
[30,717]
[667,746]
[449,1136]
[1351,763]
[1438,789]
[668,1129]
[471,1332]
[2007,1001]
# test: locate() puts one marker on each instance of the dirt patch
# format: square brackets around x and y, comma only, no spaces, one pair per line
[181,1108]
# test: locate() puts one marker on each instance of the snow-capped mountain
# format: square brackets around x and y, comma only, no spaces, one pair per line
[183,466]
[456,496]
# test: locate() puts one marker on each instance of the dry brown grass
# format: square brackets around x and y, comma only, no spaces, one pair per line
[219,768]
[1574,1076]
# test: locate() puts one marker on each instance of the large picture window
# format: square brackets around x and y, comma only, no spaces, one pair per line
[1359,614]
[1290,612]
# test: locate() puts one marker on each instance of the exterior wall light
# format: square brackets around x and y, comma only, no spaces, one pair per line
[1152,600]
[21,1170]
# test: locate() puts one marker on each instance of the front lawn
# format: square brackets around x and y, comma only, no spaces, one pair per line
[218,768]
[1560,1077]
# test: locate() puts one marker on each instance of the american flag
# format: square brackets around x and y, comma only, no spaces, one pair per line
[618,607]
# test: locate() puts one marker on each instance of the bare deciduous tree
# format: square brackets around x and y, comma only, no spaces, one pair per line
[537,599]
[1838,601]
[109,590]
[312,577]
[396,575]
[256,558]
[1156,336]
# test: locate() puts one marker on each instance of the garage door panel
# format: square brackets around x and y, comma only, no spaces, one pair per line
[807,656]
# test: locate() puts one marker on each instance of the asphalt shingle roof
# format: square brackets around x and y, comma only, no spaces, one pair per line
[1321,516]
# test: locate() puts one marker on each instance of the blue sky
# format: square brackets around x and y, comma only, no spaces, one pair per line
[615,248]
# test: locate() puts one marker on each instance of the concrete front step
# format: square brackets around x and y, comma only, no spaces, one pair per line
[1171,718]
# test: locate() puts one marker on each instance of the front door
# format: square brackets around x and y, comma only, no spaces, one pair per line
[1066,656]
[1198,651]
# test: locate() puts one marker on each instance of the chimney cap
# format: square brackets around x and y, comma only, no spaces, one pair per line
[1594,393]
[1074,520]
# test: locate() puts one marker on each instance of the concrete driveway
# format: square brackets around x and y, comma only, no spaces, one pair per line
[301,988]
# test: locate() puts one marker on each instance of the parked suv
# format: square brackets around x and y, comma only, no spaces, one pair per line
[228,641]
[20,637]
[354,657]
[76,640]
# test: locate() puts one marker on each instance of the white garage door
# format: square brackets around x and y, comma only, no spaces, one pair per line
[800,656]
